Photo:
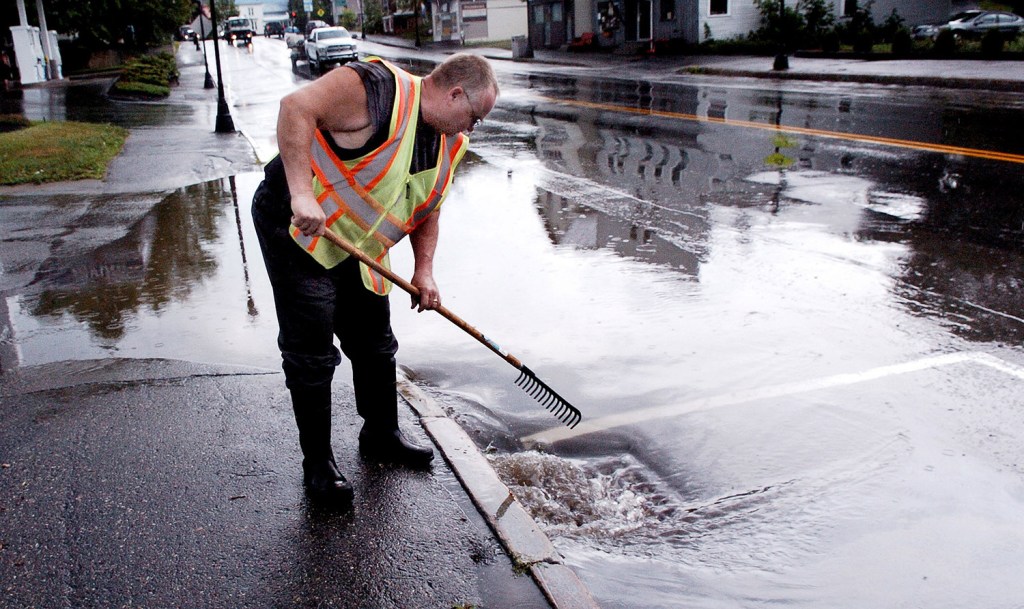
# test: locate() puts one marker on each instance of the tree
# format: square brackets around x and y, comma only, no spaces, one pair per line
[321,10]
[101,24]
[373,17]
[348,19]
[297,13]
[225,9]
[860,29]
[780,23]
[819,19]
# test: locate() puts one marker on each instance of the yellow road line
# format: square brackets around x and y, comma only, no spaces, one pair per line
[991,155]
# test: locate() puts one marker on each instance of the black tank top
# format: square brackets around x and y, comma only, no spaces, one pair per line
[380,99]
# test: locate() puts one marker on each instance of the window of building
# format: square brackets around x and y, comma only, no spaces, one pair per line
[668,10]
[849,7]
[719,7]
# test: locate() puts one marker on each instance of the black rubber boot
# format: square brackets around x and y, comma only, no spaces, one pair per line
[390,446]
[380,439]
[324,483]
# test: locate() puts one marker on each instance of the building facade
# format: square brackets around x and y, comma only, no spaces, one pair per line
[625,23]
[478,20]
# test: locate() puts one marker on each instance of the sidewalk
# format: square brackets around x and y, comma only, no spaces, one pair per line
[1000,75]
[940,73]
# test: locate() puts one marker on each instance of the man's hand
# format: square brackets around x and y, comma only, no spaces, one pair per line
[430,296]
[307,215]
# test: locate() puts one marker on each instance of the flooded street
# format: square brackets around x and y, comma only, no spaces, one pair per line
[796,350]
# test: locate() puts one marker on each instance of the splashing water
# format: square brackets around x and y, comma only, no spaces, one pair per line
[607,499]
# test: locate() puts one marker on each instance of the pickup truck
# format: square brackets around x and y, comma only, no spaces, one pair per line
[327,46]
[239,29]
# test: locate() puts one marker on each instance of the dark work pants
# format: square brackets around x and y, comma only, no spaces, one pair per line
[315,305]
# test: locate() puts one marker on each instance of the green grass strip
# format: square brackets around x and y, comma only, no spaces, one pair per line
[58,151]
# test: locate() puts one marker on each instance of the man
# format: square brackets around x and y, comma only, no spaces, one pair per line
[366,151]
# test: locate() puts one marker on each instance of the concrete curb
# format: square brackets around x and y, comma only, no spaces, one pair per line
[527,546]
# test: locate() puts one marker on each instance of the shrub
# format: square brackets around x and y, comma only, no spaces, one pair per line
[819,20]
[159,69]
[902,42]
[12,122]
[147,76]
[992,43]
[348,19]
[892,26]
[863,41]
[781,25]
[740,45]
[859,30]
[945,44]
[831,42]
[140,89]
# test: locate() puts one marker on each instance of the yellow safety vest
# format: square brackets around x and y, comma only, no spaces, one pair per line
[373,201]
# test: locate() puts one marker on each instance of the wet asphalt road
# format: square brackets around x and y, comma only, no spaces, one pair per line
[149,483]
[797,354]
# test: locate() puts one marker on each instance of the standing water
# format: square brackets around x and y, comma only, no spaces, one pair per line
[797,369]
[797,359]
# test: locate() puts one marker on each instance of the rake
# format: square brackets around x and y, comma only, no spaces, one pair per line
[528,381]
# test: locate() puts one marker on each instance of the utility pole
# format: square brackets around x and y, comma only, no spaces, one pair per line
[224,122]
[781,59]
[52,71]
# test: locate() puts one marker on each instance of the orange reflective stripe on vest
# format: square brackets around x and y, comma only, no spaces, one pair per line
[363,208]
[451,147]
[373,201]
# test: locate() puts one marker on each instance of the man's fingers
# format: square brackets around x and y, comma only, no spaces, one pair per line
[310,227]
[426,301]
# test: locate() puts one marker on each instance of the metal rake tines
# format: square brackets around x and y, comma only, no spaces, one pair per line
[548,397]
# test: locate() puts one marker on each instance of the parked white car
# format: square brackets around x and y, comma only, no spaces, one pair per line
[328,46]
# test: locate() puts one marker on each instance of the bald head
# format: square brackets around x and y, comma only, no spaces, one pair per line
[471,72]
[458,94]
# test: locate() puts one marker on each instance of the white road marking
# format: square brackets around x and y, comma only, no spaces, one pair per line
[634,417]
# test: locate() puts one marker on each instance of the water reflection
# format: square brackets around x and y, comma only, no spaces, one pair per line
[647,187]
[86,101]
[974,290]
[163,257]
[838,258]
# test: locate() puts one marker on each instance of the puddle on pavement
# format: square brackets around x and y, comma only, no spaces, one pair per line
[85,101]
[140,276]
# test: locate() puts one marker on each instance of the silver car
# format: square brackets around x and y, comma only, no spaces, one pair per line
[976,26]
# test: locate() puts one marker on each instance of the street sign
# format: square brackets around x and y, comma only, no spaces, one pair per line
[205,29]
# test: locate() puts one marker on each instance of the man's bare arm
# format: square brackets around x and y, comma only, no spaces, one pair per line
[424,243]
[335,102]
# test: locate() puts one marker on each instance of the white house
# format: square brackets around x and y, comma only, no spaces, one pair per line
[617,23]
[730,18]
[478,20]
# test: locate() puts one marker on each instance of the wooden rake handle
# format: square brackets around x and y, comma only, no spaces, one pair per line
[414,291]
[528,381]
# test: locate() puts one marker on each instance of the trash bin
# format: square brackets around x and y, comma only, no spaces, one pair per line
[521,48]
